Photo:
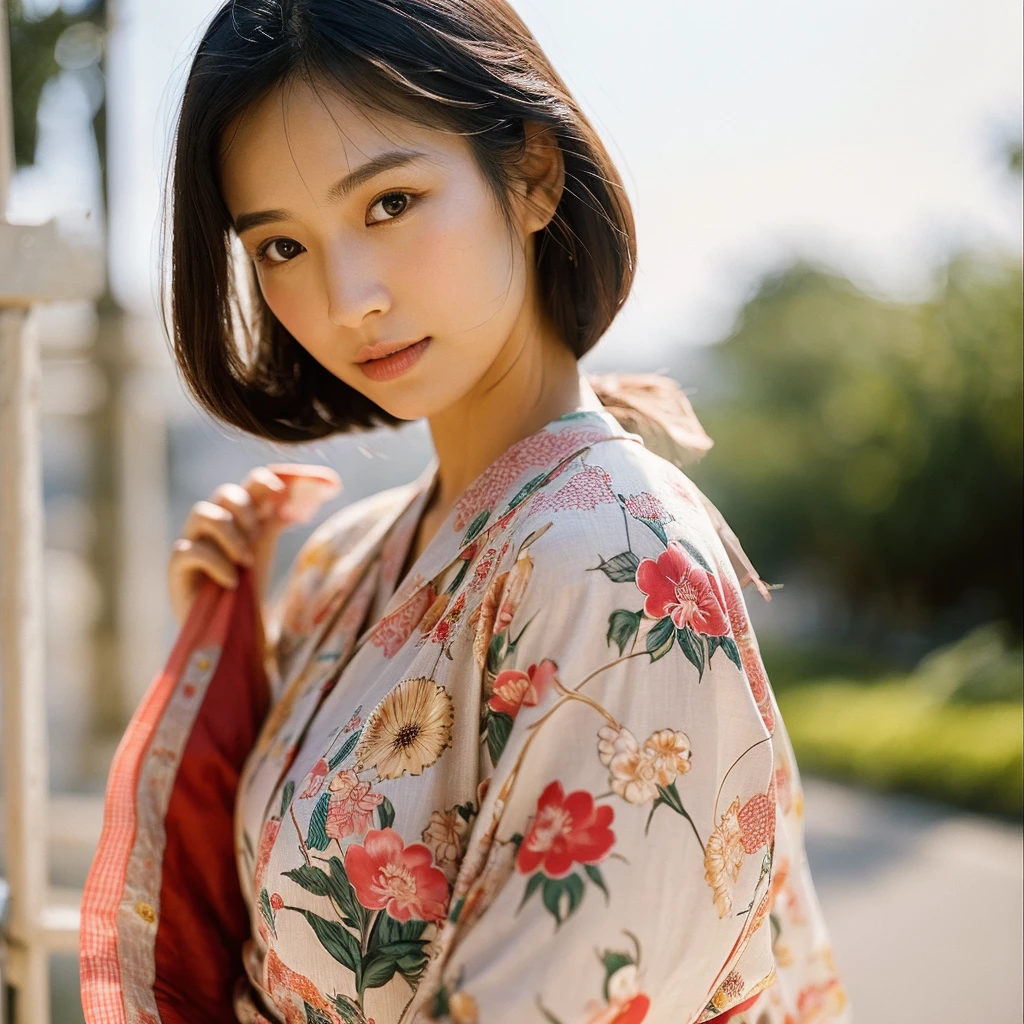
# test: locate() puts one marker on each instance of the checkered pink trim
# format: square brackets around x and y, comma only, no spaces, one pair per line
[100,959]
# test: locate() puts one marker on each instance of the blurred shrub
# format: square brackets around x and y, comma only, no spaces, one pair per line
[982,666]
[897,737]
[880,441]
[950,730]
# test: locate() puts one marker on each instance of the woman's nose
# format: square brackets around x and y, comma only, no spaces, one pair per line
[354,290]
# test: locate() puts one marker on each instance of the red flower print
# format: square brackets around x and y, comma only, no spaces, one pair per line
[352,805]
[513,688]
[289,988]
[276,901]
[646,506]
[634,1011]
[263,847]
[316,780]
[757,822]
[566,830]
[393,630]
[750,656]
[674,584]
[388,875]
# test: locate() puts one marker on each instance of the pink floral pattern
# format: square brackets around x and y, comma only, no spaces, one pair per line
[351,806]
[559,746]
[566,830]
[388,875]
[675,585]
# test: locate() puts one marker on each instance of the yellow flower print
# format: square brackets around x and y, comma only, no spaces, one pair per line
[499,604]
[434,613]
[635,773]
[445,836]
[670,751]
[723,857]
[408,731]
[462,1008]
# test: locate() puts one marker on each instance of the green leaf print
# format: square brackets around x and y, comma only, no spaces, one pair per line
[660,638]
[535,881]
[496,653]
[613,961]
[731,651]
[389,930]
[594,874]
[655,527]
[341,892]
[623,625]
[379,967]
[562,896]
[691,645]
[311,879]
[349,1010]
[621,568]
[386,813]
[477,525]
[499,728]
[669,797]
[697,556]
[286,797]
[337,940]
[526,490]
[317,839]
[315,1016]
[267,911]
[346,749]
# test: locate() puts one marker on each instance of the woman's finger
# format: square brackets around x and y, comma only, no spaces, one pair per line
[190,558]
[217,524]
[237,500]
[266,489]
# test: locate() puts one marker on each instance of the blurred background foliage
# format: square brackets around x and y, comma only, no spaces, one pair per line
[876,447]
[42,45]
[872,446]
[880,442]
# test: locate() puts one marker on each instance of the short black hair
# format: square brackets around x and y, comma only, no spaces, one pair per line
[466,66]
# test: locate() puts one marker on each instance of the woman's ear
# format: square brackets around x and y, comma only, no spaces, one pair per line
[542,177]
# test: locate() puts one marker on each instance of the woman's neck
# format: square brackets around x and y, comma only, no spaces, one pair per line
[534,380]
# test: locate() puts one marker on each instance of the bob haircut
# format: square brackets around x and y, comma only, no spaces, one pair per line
[465,66]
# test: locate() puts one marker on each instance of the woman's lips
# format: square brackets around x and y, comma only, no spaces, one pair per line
[396,364]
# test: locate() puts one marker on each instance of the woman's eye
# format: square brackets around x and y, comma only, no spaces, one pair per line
[389,206]
[279,250]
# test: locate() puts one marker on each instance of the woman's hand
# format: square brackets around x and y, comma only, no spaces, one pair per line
[238,526]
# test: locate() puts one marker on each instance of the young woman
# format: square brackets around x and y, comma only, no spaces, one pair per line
[504,750]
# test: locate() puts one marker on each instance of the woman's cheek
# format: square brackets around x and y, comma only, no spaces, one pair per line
[466,266]
[296,308]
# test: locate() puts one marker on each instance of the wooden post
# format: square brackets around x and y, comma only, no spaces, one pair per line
[21,644]
[36,265]
[21,623]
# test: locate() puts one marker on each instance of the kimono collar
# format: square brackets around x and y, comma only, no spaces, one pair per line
[496,494]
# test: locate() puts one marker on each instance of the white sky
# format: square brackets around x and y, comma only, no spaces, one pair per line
[859,131]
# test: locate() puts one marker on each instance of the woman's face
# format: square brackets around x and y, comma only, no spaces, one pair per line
[368,229]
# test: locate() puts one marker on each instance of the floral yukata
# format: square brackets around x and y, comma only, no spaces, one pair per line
[541,778]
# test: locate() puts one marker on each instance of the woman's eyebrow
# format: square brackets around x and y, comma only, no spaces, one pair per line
[339,190]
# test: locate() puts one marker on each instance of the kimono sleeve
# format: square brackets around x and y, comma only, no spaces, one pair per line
[621,860]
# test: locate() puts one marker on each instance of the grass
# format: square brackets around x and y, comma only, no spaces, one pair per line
[898,736]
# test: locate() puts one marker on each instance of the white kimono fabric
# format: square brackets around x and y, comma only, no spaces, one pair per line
[542,778]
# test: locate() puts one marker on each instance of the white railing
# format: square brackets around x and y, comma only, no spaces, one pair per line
[36,266]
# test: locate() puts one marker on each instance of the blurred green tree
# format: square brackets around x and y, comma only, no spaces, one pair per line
[880,441]
[42,46]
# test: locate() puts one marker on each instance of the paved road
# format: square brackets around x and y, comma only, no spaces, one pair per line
[923,903]
[924,907]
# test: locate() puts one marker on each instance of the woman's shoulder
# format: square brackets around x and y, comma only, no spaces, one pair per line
[619,501]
